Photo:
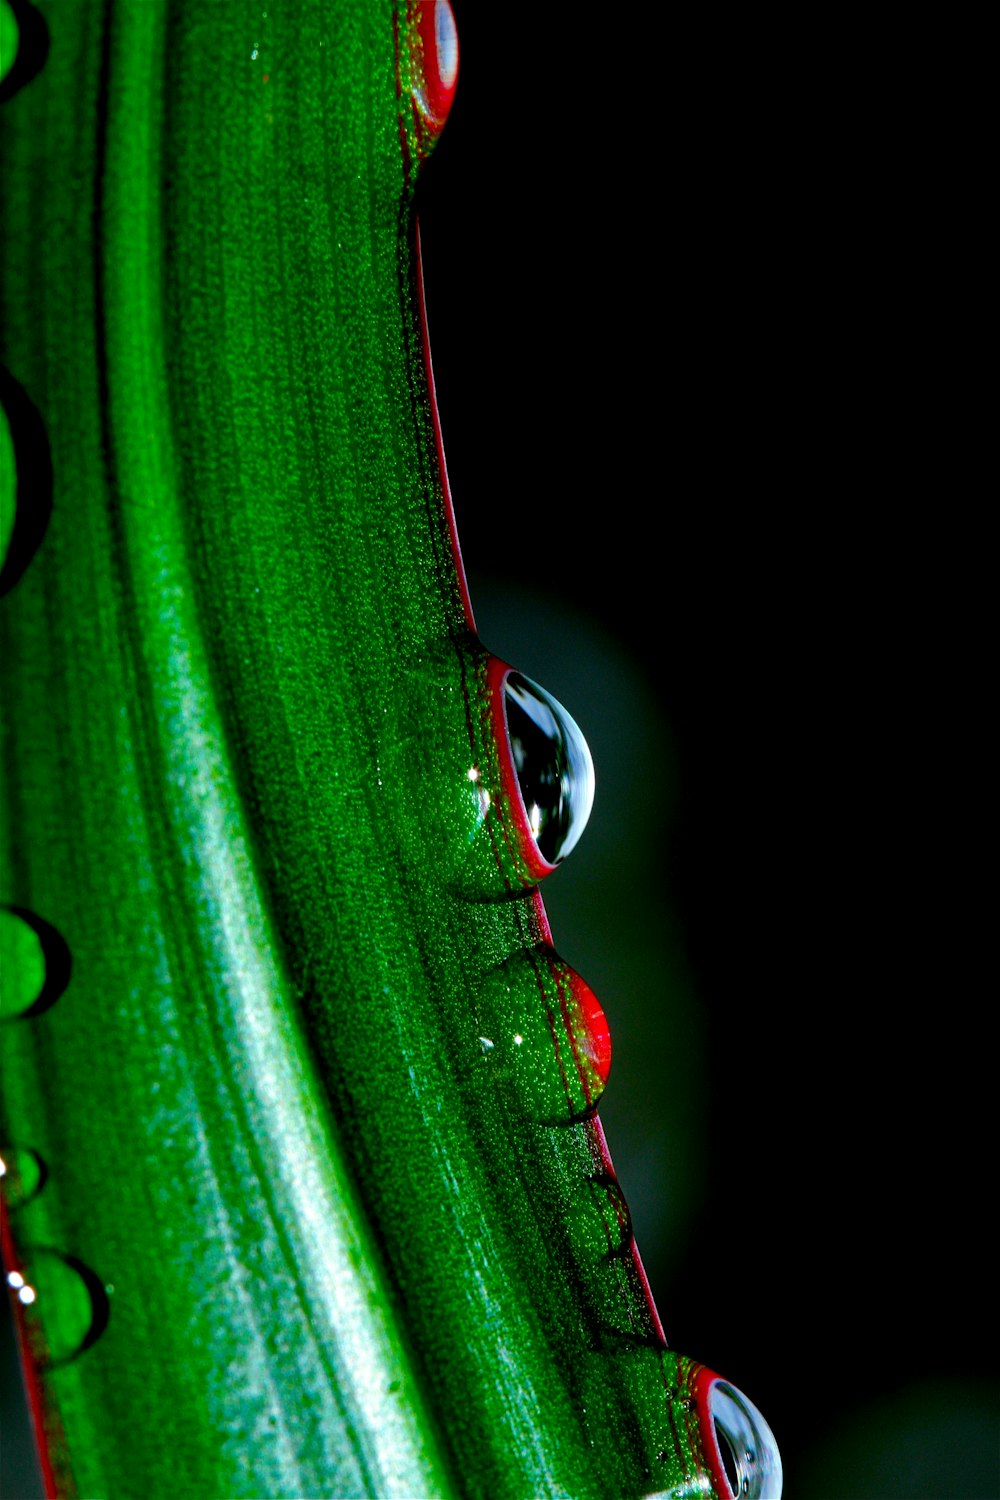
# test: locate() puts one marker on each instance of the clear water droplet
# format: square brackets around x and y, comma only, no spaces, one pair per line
[745,1444]
[460,781]
[22,964]
[551,1041]
[729,1462]
[34,963]
[22,1175]
[66,1306]
[555,772]
[9,38]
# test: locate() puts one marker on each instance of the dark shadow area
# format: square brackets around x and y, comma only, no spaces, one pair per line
[19,1474]
[33,480]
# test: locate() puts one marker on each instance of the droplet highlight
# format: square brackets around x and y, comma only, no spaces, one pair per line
[22,1175]
[553,766]
[445,47]
[434,53]
[499,776]
[34,963]
[551,1044]
[709,1439]
[66,1305]
[744,1446]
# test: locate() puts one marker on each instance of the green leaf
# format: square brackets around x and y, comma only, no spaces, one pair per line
[294,1229]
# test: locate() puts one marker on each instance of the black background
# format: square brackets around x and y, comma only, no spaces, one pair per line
[692,309]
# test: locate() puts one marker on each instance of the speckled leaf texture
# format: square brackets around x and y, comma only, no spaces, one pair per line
[289,1225]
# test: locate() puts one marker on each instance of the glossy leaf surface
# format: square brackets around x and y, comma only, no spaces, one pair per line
[297,1233]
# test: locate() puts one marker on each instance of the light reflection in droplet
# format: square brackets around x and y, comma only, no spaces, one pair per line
[754,1467]
[553,1049]
[555,772]
[446,39]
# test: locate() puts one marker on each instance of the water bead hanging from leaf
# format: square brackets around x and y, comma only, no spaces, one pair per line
[555,771]
[744,1446]
[504,798]
[550,1044]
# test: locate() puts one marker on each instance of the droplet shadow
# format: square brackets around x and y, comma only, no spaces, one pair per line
[32,48]
[32,479]
[58,965]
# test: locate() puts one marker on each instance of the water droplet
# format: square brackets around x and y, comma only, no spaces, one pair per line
[34,963]
[741,1447]
[434,58]
[615,1215]
[67,1306]
[24,46]
[443,773]
[22,964]
[452,774]
[22,1175]
[9,35]
[551,1043]
[25,480]
[599,1229]
[729,1462]
[554,769]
